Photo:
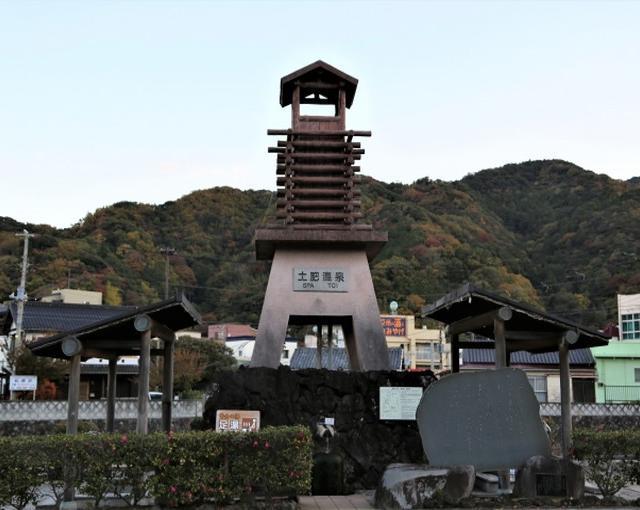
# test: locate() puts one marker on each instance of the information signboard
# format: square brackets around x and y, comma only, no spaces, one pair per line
[399,402]
[23,382]
[231,420]
[320,279]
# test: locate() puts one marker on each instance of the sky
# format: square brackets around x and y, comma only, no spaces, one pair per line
[146,101]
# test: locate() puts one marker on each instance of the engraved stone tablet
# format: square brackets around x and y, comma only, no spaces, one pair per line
[487,419]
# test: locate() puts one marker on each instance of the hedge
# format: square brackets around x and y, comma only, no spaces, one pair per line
[612,457]
[176,469]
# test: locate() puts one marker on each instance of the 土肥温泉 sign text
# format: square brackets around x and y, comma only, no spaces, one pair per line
[320,279]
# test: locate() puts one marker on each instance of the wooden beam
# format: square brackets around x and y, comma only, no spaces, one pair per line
[317,203]
[320,215]
[478,321]
[111,394]
[332,132]
[162,332]
[318,155]
[320,143]
[550,336]
[323,192]
[477,345]
[144,365]
[167,385]
[309,167]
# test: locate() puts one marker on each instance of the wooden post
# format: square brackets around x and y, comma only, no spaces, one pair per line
[167,384]
[72,422]
[330,346]
[295,107]
[319,346]
[74,395]
[501,343]
[143,382]
[565,399]
[111,394]
[455,354]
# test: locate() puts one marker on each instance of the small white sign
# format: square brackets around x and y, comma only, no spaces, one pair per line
[318,279]
[329,421]
[399,402]
[23,382]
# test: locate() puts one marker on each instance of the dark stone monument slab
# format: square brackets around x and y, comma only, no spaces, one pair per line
[488,419]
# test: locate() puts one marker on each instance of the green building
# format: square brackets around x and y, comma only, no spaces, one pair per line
[618,364]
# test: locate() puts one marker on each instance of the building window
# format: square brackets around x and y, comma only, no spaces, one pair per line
[636,375]
[631,327]
[423,351]
[584,390]
[285,354]
[539,385]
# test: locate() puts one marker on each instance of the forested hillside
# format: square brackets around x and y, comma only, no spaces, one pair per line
[545,232]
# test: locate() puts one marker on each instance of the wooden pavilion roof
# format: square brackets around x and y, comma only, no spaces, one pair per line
[117,336]
[469,309]
[317,72]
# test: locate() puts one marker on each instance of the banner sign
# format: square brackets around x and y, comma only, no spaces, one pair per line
[229,420]
[394,326]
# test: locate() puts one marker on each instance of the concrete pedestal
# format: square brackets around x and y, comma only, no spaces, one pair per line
[356,310]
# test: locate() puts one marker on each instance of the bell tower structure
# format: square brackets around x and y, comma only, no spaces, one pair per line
[320,247]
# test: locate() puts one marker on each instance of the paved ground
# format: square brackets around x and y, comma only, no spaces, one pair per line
[355,501]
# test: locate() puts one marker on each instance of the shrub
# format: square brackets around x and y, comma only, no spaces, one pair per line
[20,471]
[177,469]
[612,457]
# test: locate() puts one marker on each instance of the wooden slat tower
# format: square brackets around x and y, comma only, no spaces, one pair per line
[317,179]
[319,226]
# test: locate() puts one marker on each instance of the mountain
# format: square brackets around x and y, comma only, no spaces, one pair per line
[545,232]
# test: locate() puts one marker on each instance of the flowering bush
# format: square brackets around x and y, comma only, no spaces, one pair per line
[612,457]
[177,469]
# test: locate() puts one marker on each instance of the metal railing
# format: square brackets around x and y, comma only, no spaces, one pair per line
[622,394]
[43,410]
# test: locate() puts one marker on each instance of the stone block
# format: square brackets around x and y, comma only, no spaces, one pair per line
[549,476]
[408,486]
[487,482]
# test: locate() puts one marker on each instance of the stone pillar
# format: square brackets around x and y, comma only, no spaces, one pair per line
[501,343]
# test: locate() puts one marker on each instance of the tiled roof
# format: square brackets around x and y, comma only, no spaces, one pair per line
[487,357]
[305,357]
[240,331]
[58,317]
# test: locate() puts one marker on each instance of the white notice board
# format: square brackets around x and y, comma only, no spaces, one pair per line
[399,402]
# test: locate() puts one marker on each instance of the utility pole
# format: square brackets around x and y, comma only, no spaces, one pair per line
[21,296]
[167,252]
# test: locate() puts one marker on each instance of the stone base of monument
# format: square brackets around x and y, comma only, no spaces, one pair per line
[549,476]
[408,486]
[486,483]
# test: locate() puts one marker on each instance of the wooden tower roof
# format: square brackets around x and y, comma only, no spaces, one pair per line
[316,74]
